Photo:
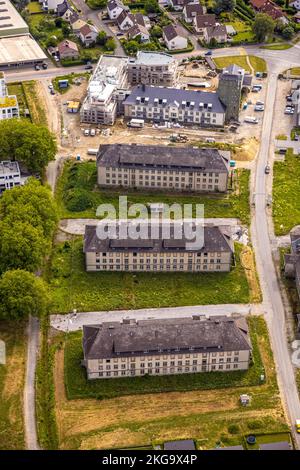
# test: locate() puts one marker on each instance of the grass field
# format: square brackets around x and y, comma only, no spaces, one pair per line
[210,417]
[78,196]
[34,7]
[72,287]
[295,71]
[286,194]
[258,64]
[277,47]
[11,386]
[35,104]
[77,386]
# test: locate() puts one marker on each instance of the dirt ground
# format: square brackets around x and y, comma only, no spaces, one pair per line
[196,72]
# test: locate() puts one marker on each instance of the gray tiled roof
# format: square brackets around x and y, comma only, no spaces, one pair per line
[214,241]
[147,337]
[186,444]
[170,32]
[216,31]
[176,97]
[193,8]
[203,21]
[188,158]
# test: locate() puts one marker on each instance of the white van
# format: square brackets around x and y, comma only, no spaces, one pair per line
[92,151]
[86,132]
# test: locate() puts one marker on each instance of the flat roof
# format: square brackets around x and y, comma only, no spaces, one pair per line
[11,22]
[152,58]
[8,167]
[9,101]
[20,49]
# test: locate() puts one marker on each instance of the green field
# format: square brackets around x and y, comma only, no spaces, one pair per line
[72,287]
[277,47]
[34,7]
[258,64]
[78,196]
[77,386]
[11,386]
[286,194]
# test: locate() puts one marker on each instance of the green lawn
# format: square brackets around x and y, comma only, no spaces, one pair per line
[77,386]
[11,386]
[78,195]
[72,287]
[258,64]
[34,7]
[295,71]
[286,194]
[277,47]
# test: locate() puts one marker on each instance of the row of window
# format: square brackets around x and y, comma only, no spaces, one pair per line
[113,172]
[161,261]
[159,267]
[154,255]
[165,371]
[172,356]
[164,178]
[194,362]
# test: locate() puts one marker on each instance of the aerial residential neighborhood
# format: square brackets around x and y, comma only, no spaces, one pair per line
[149,228]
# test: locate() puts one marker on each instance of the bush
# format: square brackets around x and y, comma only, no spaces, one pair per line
[233,429]
[77,200]
[254,424]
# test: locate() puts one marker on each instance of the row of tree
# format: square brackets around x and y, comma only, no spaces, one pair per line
[28,217]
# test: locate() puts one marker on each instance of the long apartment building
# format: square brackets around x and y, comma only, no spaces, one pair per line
[106,90]
[171,252]
[9,107]
[152,68]
[166,347]
[159,104]
[164,168]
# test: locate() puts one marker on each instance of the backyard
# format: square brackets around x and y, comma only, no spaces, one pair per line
[203,414]
[72,287]
[78,195]
[286,194]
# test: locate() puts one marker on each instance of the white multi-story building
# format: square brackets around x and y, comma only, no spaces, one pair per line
[166,347]
[50,5]
[10,175]
[9,107]
[169,251]
[152,68]
[158,104]
[164,168]
[105,89]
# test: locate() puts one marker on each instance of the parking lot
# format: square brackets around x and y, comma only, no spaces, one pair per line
[283,123]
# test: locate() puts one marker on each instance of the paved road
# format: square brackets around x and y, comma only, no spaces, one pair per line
[266,269]
[75,322]
[29,389]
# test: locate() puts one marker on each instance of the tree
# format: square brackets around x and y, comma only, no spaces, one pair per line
[31,144]
[151,6]
[32,203]
[263,26]
[156,31]
[288,32]
[224,5]
[102,38]
[110,44]
[22,294]
[132,47]
[22,246]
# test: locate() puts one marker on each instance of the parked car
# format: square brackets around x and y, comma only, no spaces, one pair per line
[93,132]
[44,65]
[259,107]
[86,132]
[37,67]
[88,66]
[208,53]
[267,169]
[52,91]
[289,97]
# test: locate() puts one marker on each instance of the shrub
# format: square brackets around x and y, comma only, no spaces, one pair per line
[78,200]
[254,424]
[233,429]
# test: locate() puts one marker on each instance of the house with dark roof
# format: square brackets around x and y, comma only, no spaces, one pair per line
[186,444]
[174,37]
[159,104]
[138,31]
[191,10]
[201,22]
[64,10]
[178,5]
[115,8]
[217,33]
[271,9]
[134,348]
[200,169]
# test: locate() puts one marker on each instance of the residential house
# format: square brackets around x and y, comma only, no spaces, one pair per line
[138,31]
[271,9]
[163,168]
[166,347]
[125,20]
[191,10]
[77,25]
[9,107]
[115,8]
[201,22]
[217,33]
[88,34]
[10,175]
[64,10]
[178,5]
[152,68]
[68,50]
[158,104]
[50,5]
[295,4]
[292,260]
[106,90]
[174,37]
